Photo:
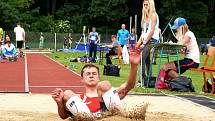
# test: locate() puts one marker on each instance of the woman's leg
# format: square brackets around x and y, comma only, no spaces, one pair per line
[145,62]
[90,50]
[94,51]
[108,60]
[170,69]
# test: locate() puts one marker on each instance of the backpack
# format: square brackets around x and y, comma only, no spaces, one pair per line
[111,70]
[181,84]
[209,86]
[161,84]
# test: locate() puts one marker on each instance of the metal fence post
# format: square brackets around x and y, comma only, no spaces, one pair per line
[55,41]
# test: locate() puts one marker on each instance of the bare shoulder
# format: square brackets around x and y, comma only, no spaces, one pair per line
[154,16]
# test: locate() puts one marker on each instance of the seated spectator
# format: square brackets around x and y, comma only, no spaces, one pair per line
[204,47]
[8,50]
[113,49]
[212,41]
[192,57]
[1,47]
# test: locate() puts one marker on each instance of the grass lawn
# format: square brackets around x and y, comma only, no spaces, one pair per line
[196,77]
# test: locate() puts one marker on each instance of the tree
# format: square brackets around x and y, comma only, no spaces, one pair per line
[43,24]
[195,12]
[8,16]
[21,5]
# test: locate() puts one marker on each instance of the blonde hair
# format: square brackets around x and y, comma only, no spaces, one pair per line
[152,10]
[181,31]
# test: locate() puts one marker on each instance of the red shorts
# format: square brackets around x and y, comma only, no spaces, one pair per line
[186,64]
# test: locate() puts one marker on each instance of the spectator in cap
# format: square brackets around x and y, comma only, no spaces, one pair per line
[192,58]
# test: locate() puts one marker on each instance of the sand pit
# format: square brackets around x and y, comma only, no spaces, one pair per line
[38,107]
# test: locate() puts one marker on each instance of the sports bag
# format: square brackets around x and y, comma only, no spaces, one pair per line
[111,70]
[181,84]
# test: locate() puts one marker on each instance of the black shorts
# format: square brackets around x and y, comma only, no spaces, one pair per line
[19,44]
[186,64]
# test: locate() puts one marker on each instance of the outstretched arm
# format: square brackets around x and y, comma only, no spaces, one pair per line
[129,84]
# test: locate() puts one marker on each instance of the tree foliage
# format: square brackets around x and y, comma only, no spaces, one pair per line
[195,12]
[106,15]
[8,16]
[21,5]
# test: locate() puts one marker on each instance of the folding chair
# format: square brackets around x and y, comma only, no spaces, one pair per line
[208,68]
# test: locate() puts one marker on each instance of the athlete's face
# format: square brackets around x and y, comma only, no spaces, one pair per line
[94,29]
[123,26]
[90,77]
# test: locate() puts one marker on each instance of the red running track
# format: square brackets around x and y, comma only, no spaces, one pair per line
[43,75]
[12,76]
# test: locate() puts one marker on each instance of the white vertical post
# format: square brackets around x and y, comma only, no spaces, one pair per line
[3,36]
[135,24]
[141,71]
[55,41]
[85,44]
[130,23]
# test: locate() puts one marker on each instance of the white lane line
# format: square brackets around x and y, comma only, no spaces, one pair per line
[56,86]
[61,65]
[26,75]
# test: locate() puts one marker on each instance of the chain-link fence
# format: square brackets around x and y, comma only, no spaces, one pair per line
[56,40]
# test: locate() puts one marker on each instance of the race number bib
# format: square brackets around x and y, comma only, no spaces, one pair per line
[93,38]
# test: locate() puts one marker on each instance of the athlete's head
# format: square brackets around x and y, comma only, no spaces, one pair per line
[90,75]
[18,24]
[133,30]
[123,26]
[94,29]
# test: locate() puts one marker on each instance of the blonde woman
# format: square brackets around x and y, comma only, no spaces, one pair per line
[191,60]
[150,34]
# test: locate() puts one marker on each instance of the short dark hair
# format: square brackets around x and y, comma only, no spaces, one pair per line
[113,36]
[89,66]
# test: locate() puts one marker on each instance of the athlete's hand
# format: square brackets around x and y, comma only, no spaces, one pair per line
[135,55]
[57,95]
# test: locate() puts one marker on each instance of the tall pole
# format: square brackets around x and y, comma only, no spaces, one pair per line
[85,44]
[135,23]
[55,41]
[130,23]
[3,36]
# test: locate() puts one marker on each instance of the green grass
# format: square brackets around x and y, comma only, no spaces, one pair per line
[196,77]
